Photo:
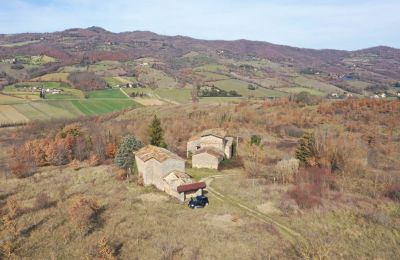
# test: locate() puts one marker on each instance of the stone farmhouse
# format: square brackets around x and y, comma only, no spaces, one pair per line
[209,148]
[166,171]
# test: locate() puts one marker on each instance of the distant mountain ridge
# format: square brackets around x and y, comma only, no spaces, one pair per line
[377,65]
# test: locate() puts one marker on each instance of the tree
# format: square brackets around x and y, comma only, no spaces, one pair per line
[125,158]
[255,139]
[252,162]
[307,151]
[156,133]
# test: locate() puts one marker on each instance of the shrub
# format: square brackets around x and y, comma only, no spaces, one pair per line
[14,210]
[287,170]
[294,131]
[42,201]
[83,212]
[311,185]
[255,139]
[111,150]
[94,160]
[393,192]
[120,175]
[105,251]
[306,195]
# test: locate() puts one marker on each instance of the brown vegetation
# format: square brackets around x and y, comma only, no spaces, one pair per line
[83,212]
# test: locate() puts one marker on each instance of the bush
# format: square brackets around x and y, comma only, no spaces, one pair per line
[393,192]
[255,139]
[94,160]
[83,212]
[311,186]
[306,195]
[42,201]
[294,131]
[287,170]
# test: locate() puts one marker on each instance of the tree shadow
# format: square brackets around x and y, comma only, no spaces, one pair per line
[27,231]
[4,197]
[98,221]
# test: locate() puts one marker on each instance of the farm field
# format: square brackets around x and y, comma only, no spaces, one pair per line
[9,100]
[301,89]
[107,93]
[92,107]
[23,90]
[20,104]
[19,44]
[119,81]
[318,85]
[58,76]
[164,95]
[241,87]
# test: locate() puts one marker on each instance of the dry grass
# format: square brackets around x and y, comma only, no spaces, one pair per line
[133,224]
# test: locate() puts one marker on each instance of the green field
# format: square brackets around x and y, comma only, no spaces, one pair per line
[174,94]
[170,95]
[97,107]
[107,93]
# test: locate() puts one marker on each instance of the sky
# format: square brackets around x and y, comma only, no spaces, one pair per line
[319,24]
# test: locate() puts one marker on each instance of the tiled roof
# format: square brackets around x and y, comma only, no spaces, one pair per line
[218,132]
[191,187]
[153,152]
[210,150]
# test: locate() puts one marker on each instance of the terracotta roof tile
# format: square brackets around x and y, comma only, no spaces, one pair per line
[210,150]
[153,152]
[191,187]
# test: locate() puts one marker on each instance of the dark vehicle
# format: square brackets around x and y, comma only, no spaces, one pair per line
[198,202]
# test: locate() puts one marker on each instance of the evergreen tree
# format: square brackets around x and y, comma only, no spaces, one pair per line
[156,133]
[307,151]
[125,158]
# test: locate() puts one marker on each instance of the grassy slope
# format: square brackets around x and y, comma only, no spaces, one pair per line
[241,88]
[139,221]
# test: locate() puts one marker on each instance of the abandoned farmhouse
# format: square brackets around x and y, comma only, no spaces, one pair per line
[166,171]
[209,148]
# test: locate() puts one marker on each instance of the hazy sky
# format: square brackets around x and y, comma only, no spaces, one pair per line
[339,24]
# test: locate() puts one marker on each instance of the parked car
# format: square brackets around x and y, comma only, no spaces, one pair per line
[198,202]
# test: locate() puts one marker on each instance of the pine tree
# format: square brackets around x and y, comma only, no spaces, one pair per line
[307,151]
[156,133]
[125,158]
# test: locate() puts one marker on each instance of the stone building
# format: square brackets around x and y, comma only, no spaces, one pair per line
[209,148]
[165,170]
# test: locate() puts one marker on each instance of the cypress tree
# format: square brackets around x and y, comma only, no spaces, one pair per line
[307,150]
[156,133]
